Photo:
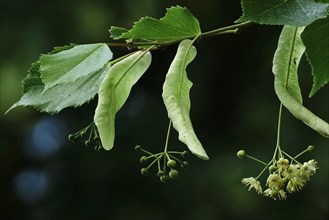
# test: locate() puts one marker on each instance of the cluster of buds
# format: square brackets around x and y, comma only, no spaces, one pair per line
[167,163]
[89,136]
[284,176]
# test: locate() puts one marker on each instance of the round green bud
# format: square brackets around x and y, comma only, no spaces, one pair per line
[143,159]
[171,163]
[160,173]
[310,148]
[238,31]
[137,148]
[185,153]
[98,148]
[184,164]
[72,137]
[164,178]
[272,168]
[144,171]
[241,154]
[173,174]
[88,143]
[83,133]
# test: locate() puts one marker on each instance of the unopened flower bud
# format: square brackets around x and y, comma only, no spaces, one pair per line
[241,154]
[310,148]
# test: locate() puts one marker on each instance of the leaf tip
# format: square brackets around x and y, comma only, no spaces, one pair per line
[200,154]
[107,148]
[205,157]
[117,32]
[11,108]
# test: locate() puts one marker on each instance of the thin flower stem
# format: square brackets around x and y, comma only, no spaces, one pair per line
[267,165]
[83,130]
[155,160]
[90,134]
[255,159]
[95,131]
[154,155]
[159,165]
[159,154]
[164,163]
[176,159]
[276,150]
[292,158]
[174,152]
[147,152]
[277,147]
[91,124]
[166,147]
[167,138]
[279,126]
[301,153]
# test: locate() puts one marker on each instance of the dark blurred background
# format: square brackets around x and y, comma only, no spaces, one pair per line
[45,177]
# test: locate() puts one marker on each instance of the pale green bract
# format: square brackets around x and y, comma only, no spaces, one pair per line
[176,25]
[285,63]
[283,12]
[69,65]
[316,38]
[176,98]
[114,92]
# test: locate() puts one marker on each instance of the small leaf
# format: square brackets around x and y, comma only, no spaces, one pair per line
[177,24]
[176,98]
[114,92]
[283,12]
[316,38]
[61,95]
[116,32]
[285,63]
[71,64]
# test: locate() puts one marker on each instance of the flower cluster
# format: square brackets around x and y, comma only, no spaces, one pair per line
[284,176]
[89,135]
[166,161]
[289,178]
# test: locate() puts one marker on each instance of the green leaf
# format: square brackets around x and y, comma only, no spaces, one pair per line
[54,76]
[176,98]
[177,24]
[33,78]
[285,63]
[61,95]
[71,64]
[116,32]
[283,12]
[62,48]
[316,38]
[114,92]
